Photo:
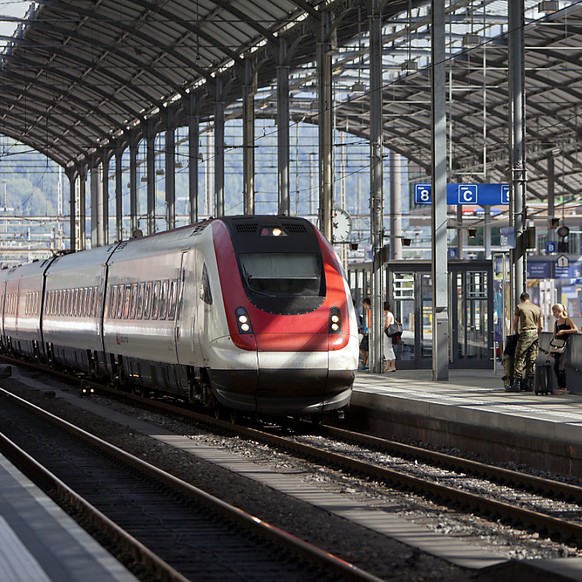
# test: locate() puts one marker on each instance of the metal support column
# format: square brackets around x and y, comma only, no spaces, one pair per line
[395,207]
[440,310]
[283,128]
[119,191]
[193,157]
[170,175]
[73,176]
[97,204]
[218,150]
[133,207]
[551,175]
[487,231]
[376,184]
[517,124]
[325,103]
[82,209]
[151,178]
[249,90]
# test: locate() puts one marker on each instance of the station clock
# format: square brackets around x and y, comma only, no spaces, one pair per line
[341,223]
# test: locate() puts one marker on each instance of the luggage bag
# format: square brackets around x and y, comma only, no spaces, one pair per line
[544,380]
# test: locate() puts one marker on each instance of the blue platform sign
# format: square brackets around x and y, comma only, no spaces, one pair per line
[539,269]
[460,194]
[551,246]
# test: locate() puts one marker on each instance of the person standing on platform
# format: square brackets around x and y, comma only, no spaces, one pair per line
[366,325]
[388,349]
[563,328]
[527,323]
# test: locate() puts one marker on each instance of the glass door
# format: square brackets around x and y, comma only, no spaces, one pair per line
[471,333]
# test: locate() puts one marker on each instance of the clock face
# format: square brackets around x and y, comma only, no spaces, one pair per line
[341,223]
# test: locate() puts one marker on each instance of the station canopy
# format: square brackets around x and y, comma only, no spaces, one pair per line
[79,75]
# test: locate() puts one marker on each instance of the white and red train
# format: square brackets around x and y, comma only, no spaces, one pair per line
[249,313]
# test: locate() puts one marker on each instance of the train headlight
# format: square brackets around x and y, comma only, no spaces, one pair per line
[243,321]
[335,320]
[272,231]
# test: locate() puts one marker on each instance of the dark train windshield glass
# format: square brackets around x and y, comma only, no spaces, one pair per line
[282,274]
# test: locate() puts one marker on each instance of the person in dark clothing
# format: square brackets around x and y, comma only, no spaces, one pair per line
[563,328]
[366,325]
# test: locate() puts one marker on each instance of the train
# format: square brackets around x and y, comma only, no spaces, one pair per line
[251,314]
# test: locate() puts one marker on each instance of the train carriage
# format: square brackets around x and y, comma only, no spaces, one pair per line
[73,310]
[23,296]
[140,323]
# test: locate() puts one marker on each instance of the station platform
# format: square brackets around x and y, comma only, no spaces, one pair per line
[40,543]
[472,412]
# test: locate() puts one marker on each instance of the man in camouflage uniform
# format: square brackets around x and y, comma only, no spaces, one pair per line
[527,321]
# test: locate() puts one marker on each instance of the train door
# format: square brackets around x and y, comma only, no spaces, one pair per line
[411,301]
[187,342]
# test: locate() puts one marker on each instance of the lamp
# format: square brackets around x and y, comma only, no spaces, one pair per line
[549,6]
[409,65]
[471,39]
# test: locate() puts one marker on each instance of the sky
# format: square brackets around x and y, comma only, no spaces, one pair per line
[17,8]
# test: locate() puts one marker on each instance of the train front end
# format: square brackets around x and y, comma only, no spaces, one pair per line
[291,321]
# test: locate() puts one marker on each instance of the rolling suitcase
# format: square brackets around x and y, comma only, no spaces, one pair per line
[544,380]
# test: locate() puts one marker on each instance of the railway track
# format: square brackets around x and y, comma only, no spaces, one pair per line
[171,530]
[351,453]
[525,501]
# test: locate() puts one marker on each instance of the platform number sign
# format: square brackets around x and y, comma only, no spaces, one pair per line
[423,193]
[467,194]
[504,194]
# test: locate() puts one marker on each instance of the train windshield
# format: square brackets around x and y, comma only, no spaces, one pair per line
[282,274]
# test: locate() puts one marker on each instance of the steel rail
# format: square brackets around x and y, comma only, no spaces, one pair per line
[267,531]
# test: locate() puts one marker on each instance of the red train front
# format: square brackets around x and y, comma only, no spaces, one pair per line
[292,345]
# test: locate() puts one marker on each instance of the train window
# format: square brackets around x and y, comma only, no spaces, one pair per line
[140,300]
[93,300]
[113,302]
[84,301]
[126,301]
[80,302]
[205,291]
[120,289]
[172,299]
[147,300]
[133,301]
[156,300]
[164,299]
[87,301]
[282,274]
